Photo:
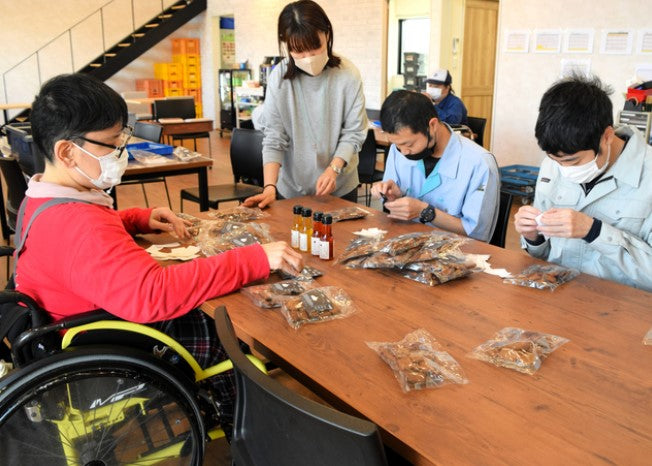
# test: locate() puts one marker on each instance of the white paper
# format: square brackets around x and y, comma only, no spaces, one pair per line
[180,253]
[616,41]
[482,262]
[644,44]
[578,41]
[517,41]
[547,40]
[570,67]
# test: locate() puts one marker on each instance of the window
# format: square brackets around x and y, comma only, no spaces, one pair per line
[414,36]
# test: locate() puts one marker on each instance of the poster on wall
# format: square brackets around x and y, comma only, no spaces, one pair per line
[644,45]
[227,47]
[575,67]
[578,41]
[617,41]
[517,41]
[547,40]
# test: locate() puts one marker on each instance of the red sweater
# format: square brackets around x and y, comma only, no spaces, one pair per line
[80,257]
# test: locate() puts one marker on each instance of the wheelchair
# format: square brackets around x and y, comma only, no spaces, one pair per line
[105,392]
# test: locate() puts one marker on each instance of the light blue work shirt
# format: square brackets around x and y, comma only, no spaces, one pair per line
[622,252]
[465,183]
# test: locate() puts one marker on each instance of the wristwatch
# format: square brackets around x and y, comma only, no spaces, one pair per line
[428,214]
[336,169]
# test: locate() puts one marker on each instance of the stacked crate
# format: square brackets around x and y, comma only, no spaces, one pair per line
[412,64]
[183,76]
[186,53]
[153,87]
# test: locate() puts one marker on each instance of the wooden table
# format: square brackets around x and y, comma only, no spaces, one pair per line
[199,166]
[185,127]
[590,403]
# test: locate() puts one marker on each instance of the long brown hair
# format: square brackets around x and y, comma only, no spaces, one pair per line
[299,25]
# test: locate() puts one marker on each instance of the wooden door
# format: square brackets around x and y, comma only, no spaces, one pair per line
[479,60]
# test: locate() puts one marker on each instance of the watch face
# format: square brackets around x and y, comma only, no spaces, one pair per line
[427,215]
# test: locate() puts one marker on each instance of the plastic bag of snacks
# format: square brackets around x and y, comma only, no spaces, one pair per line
[543,276]
[439,246]
[517,349]
[317,305]
[403,243]
[272,295]
[306,274]
[217,236]
[239,214]
[195,222]
[348,213]
[647,339]
[438,272]
[359,247]
[419,361]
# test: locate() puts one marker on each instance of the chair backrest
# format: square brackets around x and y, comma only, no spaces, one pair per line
[16,187]
[247,156]
[174,108]
[498,238]
[477,126]
[148,131]
[274,425]
[367,156]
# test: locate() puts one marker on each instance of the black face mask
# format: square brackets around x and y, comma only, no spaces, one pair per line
[425,153]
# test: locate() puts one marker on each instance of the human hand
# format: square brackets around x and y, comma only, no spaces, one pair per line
[326,183]
[263,199]
[565,223]
[525,222]
[283,257]
[389,189]
[405,208]
[164,219]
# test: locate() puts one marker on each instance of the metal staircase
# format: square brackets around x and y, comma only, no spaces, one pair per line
[141,39]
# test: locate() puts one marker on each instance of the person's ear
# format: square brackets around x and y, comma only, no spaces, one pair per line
[432,124]
[64,153]
[608,135]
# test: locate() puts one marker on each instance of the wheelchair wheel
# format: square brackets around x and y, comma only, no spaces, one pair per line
[99,406]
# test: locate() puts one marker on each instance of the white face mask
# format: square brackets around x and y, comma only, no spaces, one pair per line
[587,172]
[434,92]
[312,65]
[112,168]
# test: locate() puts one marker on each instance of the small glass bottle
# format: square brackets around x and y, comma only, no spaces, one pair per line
[316,233]
[296,226]
[305,233]
[326,250]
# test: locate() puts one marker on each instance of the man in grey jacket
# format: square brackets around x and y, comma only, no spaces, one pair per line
[593,204]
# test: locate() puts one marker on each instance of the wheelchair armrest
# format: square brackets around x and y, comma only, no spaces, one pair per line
[85,318]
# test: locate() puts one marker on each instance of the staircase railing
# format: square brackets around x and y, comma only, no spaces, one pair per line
[23,80]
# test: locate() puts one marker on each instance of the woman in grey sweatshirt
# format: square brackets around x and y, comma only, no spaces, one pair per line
[314,115]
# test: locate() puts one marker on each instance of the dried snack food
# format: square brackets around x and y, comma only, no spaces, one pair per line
[306,274]
[439,246]
[317,305]
[402,243]
[419,361]
[359,247]
[347,213]
[543,276]
[438,272]
[271,295]
[518,349]
[216,236]
[195,223]
[238,214]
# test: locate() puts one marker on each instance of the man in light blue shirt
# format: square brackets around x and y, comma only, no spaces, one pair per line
[433,174]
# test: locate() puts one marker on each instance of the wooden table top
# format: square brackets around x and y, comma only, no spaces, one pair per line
[590,403]
[137,168]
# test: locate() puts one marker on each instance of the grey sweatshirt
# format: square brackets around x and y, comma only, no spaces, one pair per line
[309,120]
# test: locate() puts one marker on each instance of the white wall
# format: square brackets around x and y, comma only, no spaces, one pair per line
[521,79]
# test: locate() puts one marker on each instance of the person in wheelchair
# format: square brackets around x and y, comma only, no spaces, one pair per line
[79,253]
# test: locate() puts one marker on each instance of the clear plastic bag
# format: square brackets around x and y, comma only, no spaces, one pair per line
[517,349]
[306,274]
[271,295]
[195,223]
[439,246]
[185,155]
[317,305]
[647,339]
[216,236]
[359,247]
[400,244]
[238,214]
[543,276]
[149,158]
[348,213]
[419,361]
[437,272]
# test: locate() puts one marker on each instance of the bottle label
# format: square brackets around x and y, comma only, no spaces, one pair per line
[316,246]
[294,239]
[303,242]
[325,250]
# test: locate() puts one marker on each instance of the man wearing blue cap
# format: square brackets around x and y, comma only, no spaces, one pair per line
[450,108]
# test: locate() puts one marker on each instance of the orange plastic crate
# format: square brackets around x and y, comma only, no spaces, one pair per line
[187,59]
[168,71]
[185,46]
[194,93]
[198,111]
[153,87]
[173,92]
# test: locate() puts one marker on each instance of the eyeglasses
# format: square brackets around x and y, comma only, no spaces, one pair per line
[127,133]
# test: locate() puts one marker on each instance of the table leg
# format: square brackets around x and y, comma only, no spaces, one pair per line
[114,195]
[202,176]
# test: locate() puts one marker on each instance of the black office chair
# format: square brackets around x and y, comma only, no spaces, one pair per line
[477,126]
[274,425]
[367,173]
[180,108]
[150,132]
[504,209]
[16,187]
[246,153]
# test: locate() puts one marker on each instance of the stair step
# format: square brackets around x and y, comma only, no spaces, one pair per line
[165,16]
[138,34]
[124,44]
[95,65]
[151,25]
[110,54]
[177,7]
